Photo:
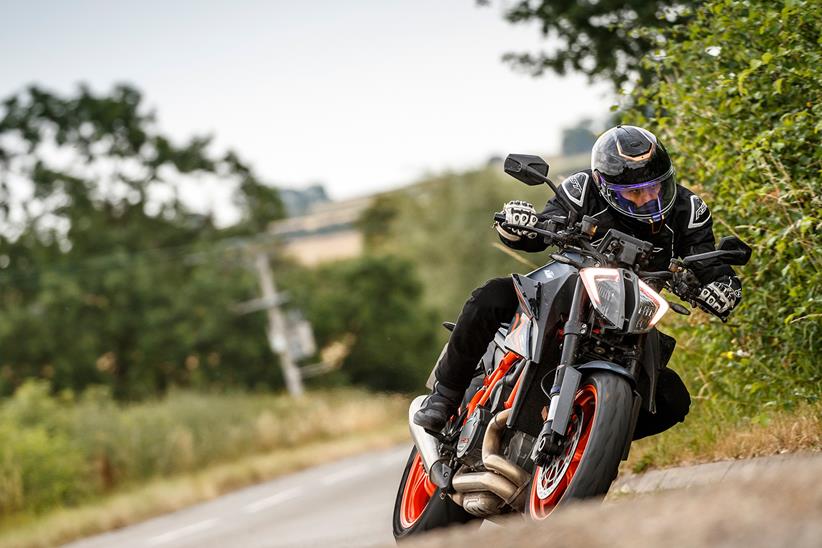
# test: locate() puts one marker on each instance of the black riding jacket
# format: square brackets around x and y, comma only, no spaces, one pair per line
[687,229]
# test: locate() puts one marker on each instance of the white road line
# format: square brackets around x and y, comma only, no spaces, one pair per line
[344,474]
[181,532]
[272,500]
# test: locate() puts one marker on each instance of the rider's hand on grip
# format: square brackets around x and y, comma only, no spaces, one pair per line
[720,296]
[520,213]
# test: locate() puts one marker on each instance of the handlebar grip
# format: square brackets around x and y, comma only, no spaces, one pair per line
[688,294]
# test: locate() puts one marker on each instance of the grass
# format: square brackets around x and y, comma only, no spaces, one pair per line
[167,495]
[711,433]
[71,467]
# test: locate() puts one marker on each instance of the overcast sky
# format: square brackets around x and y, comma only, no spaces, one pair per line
[359,95]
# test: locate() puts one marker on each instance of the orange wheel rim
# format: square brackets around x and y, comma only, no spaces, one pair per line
[416,494]
[552,480]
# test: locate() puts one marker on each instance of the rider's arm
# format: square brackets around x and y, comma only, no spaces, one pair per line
[575,191]
[696,235]
[721,290]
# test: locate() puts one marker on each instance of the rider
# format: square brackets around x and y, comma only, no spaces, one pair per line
[630,187]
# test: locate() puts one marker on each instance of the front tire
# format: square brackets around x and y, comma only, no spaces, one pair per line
[597,433]
[422,506]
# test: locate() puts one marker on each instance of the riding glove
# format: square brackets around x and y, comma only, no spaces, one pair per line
[721,296]
[517,212]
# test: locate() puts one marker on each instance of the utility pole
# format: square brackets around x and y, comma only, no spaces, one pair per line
[277,332]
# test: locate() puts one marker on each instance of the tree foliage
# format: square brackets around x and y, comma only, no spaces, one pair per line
[375,301]
[106,276]
[738,103]
[605,39]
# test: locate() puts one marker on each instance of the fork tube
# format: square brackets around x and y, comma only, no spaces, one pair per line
[573,329]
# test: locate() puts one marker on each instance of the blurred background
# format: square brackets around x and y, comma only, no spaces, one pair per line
[232,229]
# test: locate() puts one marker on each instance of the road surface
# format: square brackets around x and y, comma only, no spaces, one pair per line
[346,503]
[349,503]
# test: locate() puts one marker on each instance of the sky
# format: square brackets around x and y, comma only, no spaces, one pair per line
[358,95]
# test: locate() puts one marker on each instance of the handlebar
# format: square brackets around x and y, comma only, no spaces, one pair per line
[572,239]
[681,283]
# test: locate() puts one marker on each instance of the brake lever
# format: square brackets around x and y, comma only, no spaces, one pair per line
[682,285]
[540,231]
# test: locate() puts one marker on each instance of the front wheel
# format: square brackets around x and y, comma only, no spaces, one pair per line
[597,433]
[420,505]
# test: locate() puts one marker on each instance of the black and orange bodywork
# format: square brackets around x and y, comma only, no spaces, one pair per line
[529,346]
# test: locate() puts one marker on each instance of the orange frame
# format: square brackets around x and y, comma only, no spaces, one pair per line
[488,384]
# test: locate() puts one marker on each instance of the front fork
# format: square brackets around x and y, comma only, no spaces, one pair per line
[566,382]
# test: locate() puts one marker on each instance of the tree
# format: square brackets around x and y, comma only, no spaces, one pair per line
[106,276]
[376,302]
[605,39]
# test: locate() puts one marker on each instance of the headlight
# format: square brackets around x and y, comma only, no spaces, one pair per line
[618,295]
[650,309]
[607,293]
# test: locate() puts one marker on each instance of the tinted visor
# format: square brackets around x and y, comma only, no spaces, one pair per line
[647,201]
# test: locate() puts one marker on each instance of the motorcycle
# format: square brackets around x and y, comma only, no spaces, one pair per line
[553,406]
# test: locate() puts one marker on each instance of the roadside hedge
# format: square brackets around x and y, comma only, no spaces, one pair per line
[737,102]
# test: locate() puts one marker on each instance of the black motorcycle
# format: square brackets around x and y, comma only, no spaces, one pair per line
[553,407]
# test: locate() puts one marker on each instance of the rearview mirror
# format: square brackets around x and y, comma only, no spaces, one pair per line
[739,253]
[531,170]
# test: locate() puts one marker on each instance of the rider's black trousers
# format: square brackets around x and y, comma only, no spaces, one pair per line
[495,303]
[489,306]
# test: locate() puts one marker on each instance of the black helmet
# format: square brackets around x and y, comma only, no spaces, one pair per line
[634,173]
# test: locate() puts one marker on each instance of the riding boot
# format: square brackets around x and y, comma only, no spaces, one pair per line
[438,408]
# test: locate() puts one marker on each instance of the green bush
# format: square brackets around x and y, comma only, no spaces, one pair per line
[40,466]
[738,104]
[58,451]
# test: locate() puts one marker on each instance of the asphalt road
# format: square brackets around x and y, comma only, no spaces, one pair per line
[346,503]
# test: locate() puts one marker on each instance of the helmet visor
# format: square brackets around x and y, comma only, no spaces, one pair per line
[647,201]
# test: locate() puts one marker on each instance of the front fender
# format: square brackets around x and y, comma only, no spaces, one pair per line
[570,384]
[603,365]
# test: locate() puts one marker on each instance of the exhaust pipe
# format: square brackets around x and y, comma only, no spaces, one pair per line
[480,493]
[468,482]
[490,451]
[504,479]
[427,445]
[479,503]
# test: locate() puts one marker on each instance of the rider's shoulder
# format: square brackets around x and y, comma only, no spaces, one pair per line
[577,187]
[691,210]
